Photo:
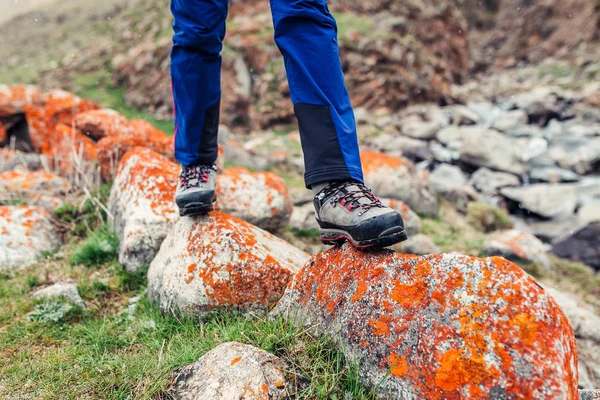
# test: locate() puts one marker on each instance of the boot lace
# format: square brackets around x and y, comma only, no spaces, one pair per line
[338,193]
[194,175]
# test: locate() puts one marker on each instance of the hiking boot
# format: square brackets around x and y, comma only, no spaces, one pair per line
[196,189]
[348,211]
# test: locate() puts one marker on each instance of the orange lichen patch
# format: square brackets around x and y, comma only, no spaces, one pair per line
[3,134]
[68,149]
[97,124]
[250,276]
[13,98]
[448,325]
[372,161]
[29,181]
[398,365]
[261,198]
[361,289]
[235,360]
[149,176]
[61,107]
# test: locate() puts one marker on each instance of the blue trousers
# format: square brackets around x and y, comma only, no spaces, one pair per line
[306,34]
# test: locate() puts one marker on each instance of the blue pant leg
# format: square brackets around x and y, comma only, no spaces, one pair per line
[196,77]
[306,34]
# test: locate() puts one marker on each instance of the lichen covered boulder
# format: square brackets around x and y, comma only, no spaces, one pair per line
[25,234]
[234,371]
[20,183]
[12,160]
[142,203]
[138,133]
[97,124]
[439,326]
[13,98]
[397,178]
[217,260]
[261,198]
[517,246]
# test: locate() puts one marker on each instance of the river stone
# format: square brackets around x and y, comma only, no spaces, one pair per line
[439,326]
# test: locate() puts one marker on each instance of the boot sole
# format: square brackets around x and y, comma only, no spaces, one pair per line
[196,209]
[387,238]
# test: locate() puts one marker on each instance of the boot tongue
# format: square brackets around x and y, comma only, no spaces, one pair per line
[360,201]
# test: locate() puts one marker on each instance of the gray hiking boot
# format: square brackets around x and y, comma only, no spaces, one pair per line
[348,211]
[196,189]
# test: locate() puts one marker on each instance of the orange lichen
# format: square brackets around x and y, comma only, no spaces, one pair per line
[248,280]
[101,123]
[398,365]
[360,290]
[372,161]
[235,361]
[3,134]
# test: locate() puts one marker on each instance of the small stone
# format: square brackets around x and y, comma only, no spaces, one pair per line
[66,290]
[419,244]
[234,371]
[26,233]
[517,246]
[446,178]
[546,200]
[487,181]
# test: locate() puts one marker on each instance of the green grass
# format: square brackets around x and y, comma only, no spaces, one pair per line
[97,86]
[98,248]
[48,351]
[486,217]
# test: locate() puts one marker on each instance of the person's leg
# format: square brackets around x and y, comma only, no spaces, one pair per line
[196,84]
[196,78]
[346,210]
[306,34]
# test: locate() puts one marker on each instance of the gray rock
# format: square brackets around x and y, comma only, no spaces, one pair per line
[575,153]
[234,371]
[552,175]
[544,103]
[526,131]
[462,115]
[487,181]
[65,290]
[589,394]
[583,245]
[586,325]
[236,153]
[446,177]
[517,246]
[546,200]
[493,150]
[413,149]
[487,112]
[588,189]
[549,231]
[414,127]
[443,154]
[509,120]
[589,212]
[581,130]
[418,244]
[11,160]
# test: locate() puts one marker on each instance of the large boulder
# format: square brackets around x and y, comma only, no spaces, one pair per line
[397,178]
[97,124]
[261,198]
[137,133]
[20,183]
[586,324]
[440,326]
[26,233]
[218,260]
[582,245]
[13,98]
[234,371]
[142,203]
[517,246]
[546,200]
